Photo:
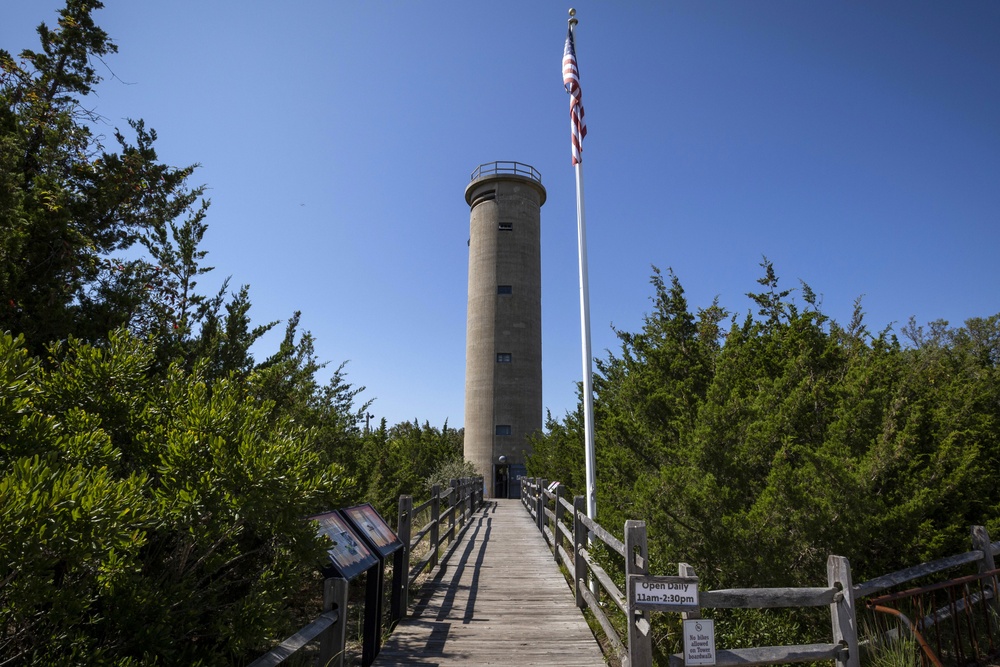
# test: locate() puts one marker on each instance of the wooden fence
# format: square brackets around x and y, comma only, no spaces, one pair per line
[446,515]
[443,527]
[569,532]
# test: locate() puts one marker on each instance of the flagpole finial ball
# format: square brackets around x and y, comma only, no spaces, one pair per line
[572,12]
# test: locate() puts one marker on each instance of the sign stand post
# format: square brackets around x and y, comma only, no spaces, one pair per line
[360,542]
[380,539]
[373,614]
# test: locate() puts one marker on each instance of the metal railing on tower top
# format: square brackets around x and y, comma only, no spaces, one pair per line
[506,167]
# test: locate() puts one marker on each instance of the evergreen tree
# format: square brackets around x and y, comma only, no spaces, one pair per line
[756,456]
[66,204]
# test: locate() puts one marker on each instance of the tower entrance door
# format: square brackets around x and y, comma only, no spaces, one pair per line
[507,480]
[501,481]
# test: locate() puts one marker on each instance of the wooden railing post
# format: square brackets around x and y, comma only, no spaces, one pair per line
[579,540]
[556,532]
[640,637]
[685,570]
[334,639]
[399,600]
[981,541]
[842,611]
[455,505]
[435,519]
[469,485]
[540,506]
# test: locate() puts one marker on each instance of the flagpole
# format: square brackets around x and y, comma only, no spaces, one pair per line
[588,357]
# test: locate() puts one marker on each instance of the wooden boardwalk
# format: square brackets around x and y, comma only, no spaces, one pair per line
[499,600]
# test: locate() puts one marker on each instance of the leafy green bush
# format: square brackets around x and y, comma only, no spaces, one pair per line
[157,516]
[448,470]
[153,476]
[756,452]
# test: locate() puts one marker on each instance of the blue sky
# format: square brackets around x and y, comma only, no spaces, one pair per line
[856,145]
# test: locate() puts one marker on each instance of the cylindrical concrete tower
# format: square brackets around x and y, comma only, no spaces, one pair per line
[503,353]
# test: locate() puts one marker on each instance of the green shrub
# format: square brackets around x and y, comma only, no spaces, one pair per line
[157,516]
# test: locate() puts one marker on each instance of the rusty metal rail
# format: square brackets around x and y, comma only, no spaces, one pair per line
[953,622]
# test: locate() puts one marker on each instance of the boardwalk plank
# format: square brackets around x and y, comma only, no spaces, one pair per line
[499,600]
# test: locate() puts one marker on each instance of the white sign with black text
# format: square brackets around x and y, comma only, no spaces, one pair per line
[699,642]
[664,593]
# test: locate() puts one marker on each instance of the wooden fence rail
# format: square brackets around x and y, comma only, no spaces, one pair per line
[593,585]
[461,498]
[330,627]
[442,529]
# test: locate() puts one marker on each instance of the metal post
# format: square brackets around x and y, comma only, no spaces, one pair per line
[401,561]
[588,358]
[372,630]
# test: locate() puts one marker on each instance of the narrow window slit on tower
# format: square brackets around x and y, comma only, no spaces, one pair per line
[505,289]
[504,357]
[504,429]
[506,226]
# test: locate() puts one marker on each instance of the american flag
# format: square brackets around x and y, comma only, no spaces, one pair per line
[571,80]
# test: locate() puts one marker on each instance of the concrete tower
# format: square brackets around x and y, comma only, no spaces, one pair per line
[503,353]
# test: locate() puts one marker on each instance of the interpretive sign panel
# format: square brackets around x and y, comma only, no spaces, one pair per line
[348,553]
[699,642]
[370,524]
[664,593]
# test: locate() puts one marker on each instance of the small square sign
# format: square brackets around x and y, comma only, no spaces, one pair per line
[369,523]
[699,641]
[348,554]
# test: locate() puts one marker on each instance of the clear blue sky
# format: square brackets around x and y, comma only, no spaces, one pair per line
[856,145]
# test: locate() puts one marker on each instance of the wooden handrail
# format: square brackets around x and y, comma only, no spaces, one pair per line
[285,649]
[915,572]
[606,583]
[330,626]
[839,595]
[463,497]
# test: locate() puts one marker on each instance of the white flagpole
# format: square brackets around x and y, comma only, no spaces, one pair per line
[588,358]
[588,361]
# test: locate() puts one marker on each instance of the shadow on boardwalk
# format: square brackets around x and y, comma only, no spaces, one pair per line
[499,599]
